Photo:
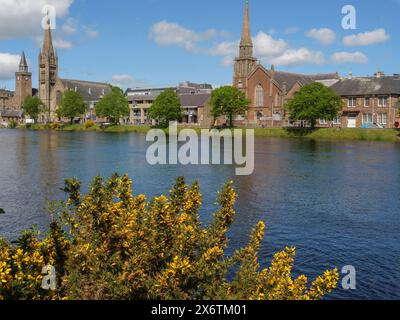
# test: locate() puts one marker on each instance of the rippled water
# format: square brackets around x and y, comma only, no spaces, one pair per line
[337,202]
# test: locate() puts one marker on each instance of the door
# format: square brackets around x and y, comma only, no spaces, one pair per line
[352,122]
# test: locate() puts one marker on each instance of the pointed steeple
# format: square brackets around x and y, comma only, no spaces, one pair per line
[23,65]
[48,41]
[246,32]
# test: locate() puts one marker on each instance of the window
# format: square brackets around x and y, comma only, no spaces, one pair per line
[366,102]
[352,102]
[259,115]
[338,120]
[382,118]
[367,118]
[322,122]
[259,96]
[90,91]
[383,101]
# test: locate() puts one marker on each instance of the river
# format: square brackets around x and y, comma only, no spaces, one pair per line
[337,202]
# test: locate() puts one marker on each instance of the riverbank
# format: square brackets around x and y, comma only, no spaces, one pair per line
[388,135]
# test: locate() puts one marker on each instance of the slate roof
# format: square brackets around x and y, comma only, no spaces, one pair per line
[90,91]
[147,97]
[292,78]
[11,113]
[367,86]
[194,100]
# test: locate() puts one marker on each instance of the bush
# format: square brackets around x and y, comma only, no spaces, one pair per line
[12,124]
[119,246]
[89,124]
[55,126]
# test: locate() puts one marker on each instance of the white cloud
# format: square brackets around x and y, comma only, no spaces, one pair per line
[165,33]
[122,78]
[325,36]
[291,30]
[227,50]
[367,38]
[60,43]
[70,26]
[91,33]
[23,18]
[8,65]
[298,57]
[126,81]
[349,57]
[266,46]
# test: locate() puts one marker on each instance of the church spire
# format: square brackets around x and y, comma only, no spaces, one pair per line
[23,65]
[246,32]
[48,42]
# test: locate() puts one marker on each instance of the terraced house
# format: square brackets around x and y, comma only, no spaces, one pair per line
[370,102]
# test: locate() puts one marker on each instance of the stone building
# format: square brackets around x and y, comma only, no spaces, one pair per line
[267,89]
[194,100]
[51,87]
[369,102]
[11,102]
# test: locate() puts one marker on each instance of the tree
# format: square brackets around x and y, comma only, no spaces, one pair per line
[72,105]
[229,101]
[314,101]
[2,211]
[167,107]
[33,106]
[113,106]
[110,245]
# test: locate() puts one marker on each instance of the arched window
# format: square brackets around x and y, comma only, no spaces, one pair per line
[58,98]
[259,96]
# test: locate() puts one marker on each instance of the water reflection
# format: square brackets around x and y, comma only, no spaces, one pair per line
[336,202]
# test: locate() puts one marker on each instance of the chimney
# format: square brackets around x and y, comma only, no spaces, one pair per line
[379,74]
[350,76]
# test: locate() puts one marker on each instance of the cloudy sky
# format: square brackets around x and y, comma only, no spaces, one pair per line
[163,42]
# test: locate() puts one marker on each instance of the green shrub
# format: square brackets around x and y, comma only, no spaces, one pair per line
[12,124]
[115,245]
[89,124]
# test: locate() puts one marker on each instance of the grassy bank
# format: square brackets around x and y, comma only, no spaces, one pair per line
[389,135]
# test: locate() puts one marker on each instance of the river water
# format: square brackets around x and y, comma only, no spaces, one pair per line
[337,202]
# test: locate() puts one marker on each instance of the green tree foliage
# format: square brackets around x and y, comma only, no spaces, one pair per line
[115,245]
[72,105]
[229,101]
[2,211]
[315,101]
[113,106]
[167,107]
[33,106]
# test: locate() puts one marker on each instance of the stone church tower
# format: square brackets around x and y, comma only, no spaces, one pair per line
[23,83]
[48,73]
[245,63]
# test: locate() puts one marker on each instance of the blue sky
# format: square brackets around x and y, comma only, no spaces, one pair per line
[163,42]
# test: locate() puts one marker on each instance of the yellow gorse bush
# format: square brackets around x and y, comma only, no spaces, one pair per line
[109,244]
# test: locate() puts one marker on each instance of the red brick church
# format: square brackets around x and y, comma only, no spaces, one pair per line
[267,89]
